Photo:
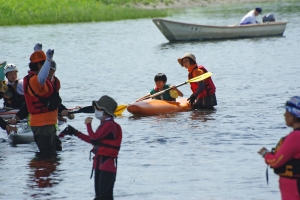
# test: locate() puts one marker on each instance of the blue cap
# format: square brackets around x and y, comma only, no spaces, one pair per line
[258,10]
[293,106]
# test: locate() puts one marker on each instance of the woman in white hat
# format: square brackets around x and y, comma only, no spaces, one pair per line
[106,141]
[285,157]
[203,96]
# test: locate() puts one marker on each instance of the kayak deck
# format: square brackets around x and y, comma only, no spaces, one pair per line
[155,107]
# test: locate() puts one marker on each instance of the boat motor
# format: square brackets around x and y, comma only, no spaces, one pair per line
[269,18]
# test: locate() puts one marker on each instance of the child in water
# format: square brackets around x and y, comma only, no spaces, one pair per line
[160,82]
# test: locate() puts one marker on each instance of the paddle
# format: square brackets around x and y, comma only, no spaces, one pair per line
[90,109]
[196,79]
[202,77]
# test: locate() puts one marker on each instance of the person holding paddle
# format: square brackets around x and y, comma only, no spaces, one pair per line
[160,80]
[203,96]
[285,157]
[106,141]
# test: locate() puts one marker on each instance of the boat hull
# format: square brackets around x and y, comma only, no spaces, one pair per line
[8,113]
[178,31]
[155,107]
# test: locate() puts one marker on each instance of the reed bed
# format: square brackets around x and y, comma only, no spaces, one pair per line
[25,12]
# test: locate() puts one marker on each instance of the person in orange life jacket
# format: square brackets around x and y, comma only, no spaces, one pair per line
[203,96]
[13,95]
[285,157]
[160,80]
[106,143]
[23,112]
[42,102]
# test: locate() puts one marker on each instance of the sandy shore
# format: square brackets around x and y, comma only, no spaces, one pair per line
[193,3]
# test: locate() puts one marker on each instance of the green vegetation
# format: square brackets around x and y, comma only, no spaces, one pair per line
[24,12]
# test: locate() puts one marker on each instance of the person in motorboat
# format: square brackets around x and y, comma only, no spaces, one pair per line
[160,80]
[285,157]
[249,18]
[42,101]
[106,141]
[203,96]
[13,95]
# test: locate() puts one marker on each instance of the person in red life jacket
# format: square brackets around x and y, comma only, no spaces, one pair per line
[204,92]
[42,101]
[23,112]
[285,157]
[13,96]
[106,143]
[160,80]
[56,84]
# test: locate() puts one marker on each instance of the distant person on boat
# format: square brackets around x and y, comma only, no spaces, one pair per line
[42,101]
[106,141]
[285,157]
[160,80]
[13,95]
[5,126]
[203,96]
[250,17]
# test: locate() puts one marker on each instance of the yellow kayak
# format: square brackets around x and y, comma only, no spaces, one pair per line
[155,107]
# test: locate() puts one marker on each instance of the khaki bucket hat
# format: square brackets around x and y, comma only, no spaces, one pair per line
[186,55]
[107,103]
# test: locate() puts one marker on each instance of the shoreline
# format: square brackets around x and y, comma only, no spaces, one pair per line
[192,3]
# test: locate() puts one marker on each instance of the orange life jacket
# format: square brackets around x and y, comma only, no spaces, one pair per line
[34,103]
[209,86]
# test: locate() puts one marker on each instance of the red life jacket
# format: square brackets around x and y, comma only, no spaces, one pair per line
[56,83]
[108,146]
[34,104]
[209,86]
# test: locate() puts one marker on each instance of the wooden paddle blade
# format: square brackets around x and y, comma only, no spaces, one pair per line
[200,78]
[87,109]
[120,109]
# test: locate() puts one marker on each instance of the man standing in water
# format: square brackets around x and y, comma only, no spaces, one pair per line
[42,101]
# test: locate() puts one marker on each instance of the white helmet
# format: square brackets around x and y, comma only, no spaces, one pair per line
[10,68]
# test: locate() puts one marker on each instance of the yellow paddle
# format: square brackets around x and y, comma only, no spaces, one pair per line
[202,77]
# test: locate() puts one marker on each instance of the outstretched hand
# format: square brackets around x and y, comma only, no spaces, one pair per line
[11,129]
[69,130]
[49,54]
[38,47]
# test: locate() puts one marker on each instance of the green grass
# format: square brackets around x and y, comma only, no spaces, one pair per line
[25,12]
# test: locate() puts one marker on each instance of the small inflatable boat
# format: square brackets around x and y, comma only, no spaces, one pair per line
[156,107]
[7,113]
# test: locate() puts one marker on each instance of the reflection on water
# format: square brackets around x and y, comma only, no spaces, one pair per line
[43,173]
[202,115]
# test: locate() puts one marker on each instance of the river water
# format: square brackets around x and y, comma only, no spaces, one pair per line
[190,155]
